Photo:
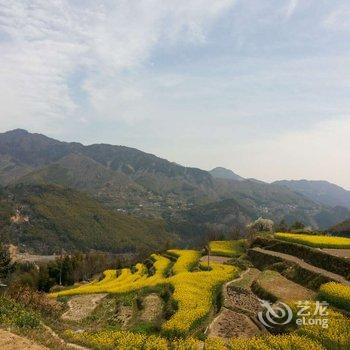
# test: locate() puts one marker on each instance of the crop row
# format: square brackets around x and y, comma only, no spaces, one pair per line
[227,248]
[194,292]
[337,294]
[308,337]
[316,241]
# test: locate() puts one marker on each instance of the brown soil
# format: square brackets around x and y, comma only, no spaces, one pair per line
[242,299]
[10,341]
[343,253]
[215,258]
[283,288]
[230,324]
[152,308]
[82,306]
[124,315]
[305,265]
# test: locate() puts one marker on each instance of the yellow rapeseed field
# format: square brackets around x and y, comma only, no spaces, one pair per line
[186,259]
[316,241]
[125,340]
[194,292]
[227,248]
[337,294]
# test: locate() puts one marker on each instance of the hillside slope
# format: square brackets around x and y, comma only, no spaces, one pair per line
[322,192]
[45,219]
[127,179]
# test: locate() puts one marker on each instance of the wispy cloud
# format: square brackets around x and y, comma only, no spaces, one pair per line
[43,43]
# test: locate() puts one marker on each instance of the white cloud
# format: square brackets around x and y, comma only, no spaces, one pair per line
[43,43]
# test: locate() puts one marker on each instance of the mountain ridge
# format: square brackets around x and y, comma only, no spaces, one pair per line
[130,180]
[320,191]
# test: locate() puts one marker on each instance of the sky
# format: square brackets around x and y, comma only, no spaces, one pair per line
[261,87]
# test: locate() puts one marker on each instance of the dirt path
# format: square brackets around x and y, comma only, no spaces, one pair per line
[152,308]
[10,341]
[303,264]
[66,345]
[343,253]
[215,258]
[81,306]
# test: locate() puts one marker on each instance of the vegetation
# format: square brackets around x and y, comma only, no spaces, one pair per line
[316,240]
[14,314]
[227,248]
[186,260]
[193,294]
[342,228]
[5,263]
[63,218]
[336,336]
[124,340]
[337,294]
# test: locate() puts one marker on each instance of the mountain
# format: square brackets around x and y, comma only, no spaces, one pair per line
[121,176]
[125,179]
[46,218]
[223,173]
[322,192]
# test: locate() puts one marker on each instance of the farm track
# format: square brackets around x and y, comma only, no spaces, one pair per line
[66,344]
[342,253]
[303,264]
[11,341]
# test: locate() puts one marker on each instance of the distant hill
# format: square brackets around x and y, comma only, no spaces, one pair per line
[223,173]
[46,218]
[106,171]
[129,180]
[322,192]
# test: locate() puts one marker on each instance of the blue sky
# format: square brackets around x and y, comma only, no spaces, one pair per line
[261,87]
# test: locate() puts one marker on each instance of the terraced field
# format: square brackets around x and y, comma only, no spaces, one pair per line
[181,279]
[194,292]
[316,241]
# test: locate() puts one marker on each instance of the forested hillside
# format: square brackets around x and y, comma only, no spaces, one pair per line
[48,218]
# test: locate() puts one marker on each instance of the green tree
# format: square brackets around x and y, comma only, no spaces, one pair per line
[5,262]
[298,225]
[282,226]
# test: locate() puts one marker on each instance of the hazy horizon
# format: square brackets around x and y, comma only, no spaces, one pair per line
[194,166]
[260,88]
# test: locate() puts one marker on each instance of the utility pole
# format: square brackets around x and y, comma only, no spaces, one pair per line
[207,250]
